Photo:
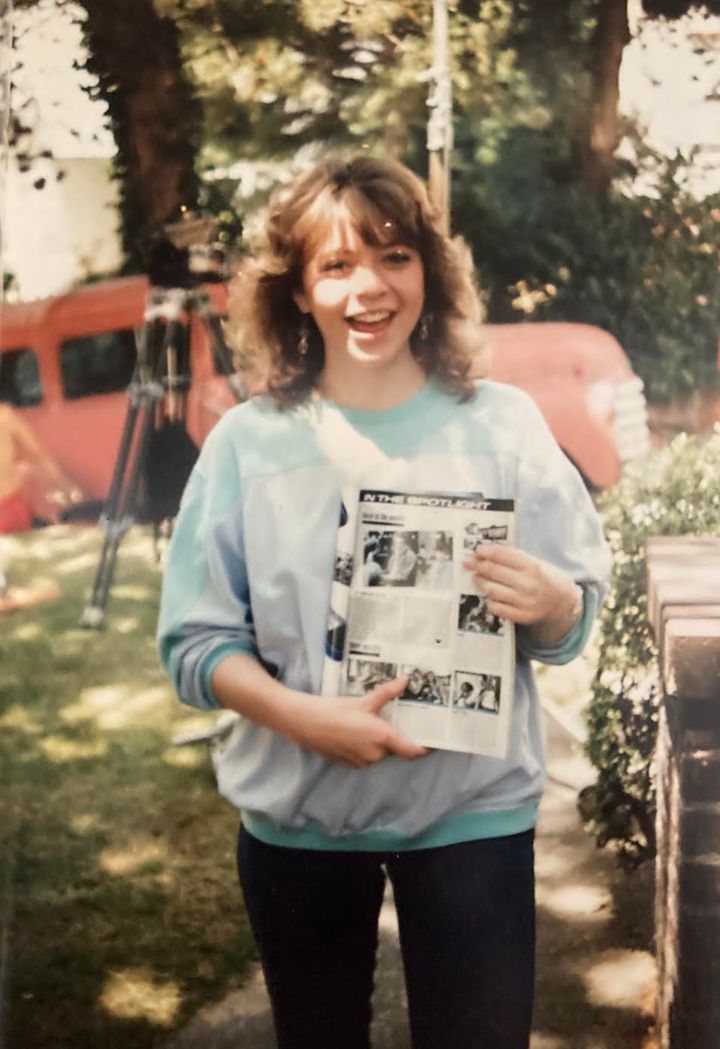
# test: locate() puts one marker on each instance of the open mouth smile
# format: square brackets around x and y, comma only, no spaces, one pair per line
[371,321]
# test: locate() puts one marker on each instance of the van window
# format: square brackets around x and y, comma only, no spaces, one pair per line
[20,377]
[94,364]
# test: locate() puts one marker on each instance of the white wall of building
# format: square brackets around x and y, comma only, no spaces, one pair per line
[64,232]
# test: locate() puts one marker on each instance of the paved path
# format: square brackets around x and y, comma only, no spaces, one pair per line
[595,973]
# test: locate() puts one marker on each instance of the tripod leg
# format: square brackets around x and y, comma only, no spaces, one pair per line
[222,353]
[177,369]
[121,508]
[93,613]
[144,391]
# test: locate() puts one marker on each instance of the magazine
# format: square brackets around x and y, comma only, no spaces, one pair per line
[403,605]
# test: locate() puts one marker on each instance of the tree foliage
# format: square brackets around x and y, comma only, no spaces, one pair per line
[641,266]
[672,493]
[202,92]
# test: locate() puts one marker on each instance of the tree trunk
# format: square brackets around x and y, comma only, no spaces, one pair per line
[154,115]
[602,135]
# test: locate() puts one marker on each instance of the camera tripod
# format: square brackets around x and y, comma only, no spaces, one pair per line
[155,426]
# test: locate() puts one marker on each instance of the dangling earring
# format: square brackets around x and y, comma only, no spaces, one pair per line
[424,327]
[303,341]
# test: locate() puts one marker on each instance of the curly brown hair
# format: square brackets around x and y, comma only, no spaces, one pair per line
[388,204]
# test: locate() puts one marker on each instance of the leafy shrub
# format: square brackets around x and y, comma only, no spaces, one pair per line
[642,265]
[674,492]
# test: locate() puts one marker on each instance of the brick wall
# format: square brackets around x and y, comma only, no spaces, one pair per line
[684,610]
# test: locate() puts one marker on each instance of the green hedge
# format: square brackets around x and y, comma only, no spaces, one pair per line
[674,492]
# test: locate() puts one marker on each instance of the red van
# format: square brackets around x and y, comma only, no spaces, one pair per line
[583,384]
[65,364]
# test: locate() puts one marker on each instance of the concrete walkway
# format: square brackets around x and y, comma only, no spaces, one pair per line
[594,970]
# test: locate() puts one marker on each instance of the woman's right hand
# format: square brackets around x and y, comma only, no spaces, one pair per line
[350,730]
[341,728]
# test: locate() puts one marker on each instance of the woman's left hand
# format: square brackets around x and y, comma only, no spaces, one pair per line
[525,589]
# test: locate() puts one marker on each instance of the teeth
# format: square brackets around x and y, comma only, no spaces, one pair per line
[370,318]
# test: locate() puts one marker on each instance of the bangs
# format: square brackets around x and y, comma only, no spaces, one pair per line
[380,213]
[385,217]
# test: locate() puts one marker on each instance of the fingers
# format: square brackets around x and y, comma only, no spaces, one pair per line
[498,562]
[404,747]
[394,742]
[376,699]
[500,576]
[508,579]
[518,586]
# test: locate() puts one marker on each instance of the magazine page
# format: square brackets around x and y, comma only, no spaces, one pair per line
[404,605]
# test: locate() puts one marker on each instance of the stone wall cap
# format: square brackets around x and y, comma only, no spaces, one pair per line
[690,658]
[682,572]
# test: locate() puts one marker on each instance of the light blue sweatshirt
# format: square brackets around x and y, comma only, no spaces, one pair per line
[250,568]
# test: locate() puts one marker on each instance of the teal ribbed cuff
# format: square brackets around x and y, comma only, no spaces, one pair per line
[572,644]
[208,664]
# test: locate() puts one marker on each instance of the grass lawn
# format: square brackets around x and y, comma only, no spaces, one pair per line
[118,886]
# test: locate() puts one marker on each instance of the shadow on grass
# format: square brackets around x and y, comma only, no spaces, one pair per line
[124,915]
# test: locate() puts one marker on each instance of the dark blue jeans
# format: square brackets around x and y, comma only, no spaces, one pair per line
[466,914]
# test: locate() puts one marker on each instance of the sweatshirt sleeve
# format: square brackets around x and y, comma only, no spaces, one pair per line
[205,612]
[558,523]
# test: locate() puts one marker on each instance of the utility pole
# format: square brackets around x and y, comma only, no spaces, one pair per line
[439,128]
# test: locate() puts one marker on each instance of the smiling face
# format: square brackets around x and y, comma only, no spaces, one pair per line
[366,299]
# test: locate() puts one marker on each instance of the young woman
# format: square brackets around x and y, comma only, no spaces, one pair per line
[365,314]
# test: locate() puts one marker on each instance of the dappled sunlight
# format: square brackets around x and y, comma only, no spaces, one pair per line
[587,903]
[10,546]
[620,978]
[134,856]
[93,701]
[543,1041]
[137,994]
[185,757]
[42,550]
[79,563]
[35,590]
[133,592]
[128,625]
[114,889]
[48,544]
[551,865]
[27,632]
[139,542]
[115,706]
[85,822]
[19,719]
[191,723]
[59,749]
[75,713]
[134,709]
